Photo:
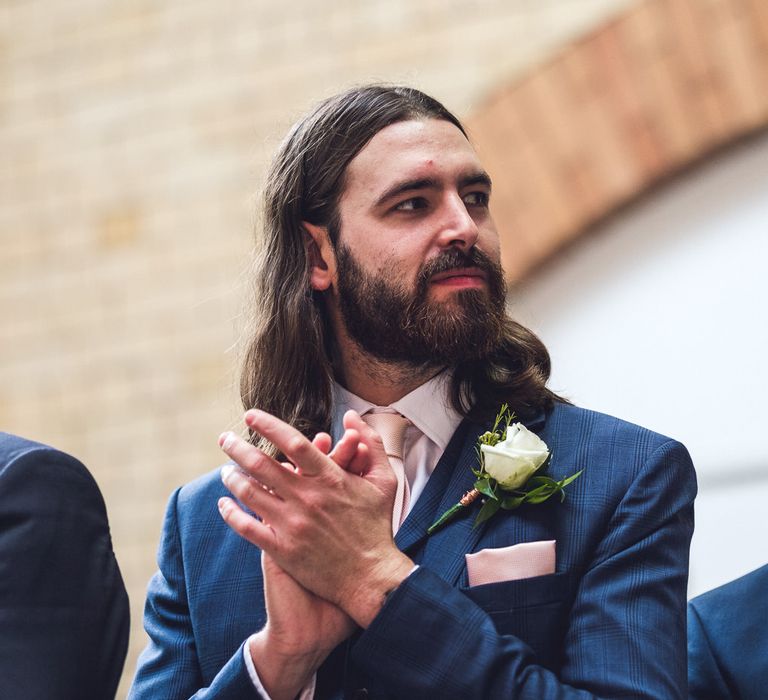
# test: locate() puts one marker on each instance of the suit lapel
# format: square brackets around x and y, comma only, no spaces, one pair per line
[444,550]
[452,478]
[414,527]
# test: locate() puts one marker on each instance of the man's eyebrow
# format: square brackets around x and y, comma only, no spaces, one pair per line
[476,178]
[399,188]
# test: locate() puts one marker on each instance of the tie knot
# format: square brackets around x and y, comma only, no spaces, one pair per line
[391,427]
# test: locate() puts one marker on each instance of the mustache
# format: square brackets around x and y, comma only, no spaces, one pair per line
[455,259]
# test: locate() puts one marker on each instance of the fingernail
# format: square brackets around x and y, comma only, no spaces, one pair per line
[226,472]
[250,417]
[224,506]
[226,439]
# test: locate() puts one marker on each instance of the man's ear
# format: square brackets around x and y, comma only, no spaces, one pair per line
[322,260]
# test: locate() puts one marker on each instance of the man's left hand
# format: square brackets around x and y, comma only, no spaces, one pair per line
[328,528]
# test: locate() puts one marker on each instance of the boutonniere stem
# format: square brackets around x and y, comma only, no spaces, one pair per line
[511,459]
[467,499]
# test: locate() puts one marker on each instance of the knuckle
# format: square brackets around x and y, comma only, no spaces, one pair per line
[298,527]
[251,463]
[297,445]
[246,492]
[312,504]
[251,531]
[332,479]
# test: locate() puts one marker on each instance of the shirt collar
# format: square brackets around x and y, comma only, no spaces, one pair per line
[428,407]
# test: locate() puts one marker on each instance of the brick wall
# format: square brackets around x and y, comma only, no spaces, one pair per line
[657,89]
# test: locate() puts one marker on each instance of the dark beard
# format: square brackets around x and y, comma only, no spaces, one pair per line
[392,325]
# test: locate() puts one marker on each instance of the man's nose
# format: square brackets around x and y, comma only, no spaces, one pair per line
[457,228]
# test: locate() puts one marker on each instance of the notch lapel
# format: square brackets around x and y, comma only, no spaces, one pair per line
[444,551]
[414,527]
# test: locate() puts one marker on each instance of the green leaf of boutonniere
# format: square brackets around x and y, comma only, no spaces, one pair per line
[488,510]
[485,488]
[511,459]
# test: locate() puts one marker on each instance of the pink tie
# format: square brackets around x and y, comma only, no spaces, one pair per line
[391,427]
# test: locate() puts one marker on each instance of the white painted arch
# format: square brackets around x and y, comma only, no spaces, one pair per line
[660,317]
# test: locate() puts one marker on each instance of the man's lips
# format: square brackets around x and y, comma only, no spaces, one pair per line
[460,276]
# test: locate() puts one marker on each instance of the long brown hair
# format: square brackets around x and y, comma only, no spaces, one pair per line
[287,364]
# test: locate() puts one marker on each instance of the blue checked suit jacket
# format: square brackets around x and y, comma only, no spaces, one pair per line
[611,622]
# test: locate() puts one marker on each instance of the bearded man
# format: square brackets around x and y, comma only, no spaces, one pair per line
[380,325]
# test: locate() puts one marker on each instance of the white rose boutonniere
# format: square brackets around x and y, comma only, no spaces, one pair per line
[511,458]
[516,458]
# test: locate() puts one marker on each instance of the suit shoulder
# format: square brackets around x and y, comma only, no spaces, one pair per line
[205,489]
[740,592]
[23,460]
[595,425]
[59,522]
[616,450]
[12,446]
[193,522]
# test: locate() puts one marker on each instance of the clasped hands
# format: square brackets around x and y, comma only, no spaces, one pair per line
[324,528]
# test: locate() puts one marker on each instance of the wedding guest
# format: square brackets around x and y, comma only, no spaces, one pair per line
[63,606]
[381,323]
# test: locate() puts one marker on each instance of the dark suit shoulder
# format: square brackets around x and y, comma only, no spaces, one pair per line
[14,448]
[46,473]
[52,511]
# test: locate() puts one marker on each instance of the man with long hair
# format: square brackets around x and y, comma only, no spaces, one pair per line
[380,353]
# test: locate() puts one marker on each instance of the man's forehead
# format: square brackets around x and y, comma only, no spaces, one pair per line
[428,148]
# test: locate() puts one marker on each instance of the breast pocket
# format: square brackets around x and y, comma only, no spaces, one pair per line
[533,609]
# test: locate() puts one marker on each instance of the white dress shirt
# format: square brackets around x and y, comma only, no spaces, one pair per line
[433,419]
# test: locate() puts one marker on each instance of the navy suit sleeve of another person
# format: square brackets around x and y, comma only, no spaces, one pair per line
[609,623]
[63,606]
[728,640]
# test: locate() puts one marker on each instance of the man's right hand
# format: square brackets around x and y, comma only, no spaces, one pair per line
[302,628]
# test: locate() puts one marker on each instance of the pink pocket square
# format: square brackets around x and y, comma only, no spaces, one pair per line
[524,560]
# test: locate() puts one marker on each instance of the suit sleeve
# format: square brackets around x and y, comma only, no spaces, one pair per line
[168,667]
[63,607]
[625,634]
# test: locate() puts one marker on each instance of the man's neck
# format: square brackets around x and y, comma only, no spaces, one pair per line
[379,381]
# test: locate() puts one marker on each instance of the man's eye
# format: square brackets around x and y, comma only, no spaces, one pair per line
[476,199]
[412,204]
